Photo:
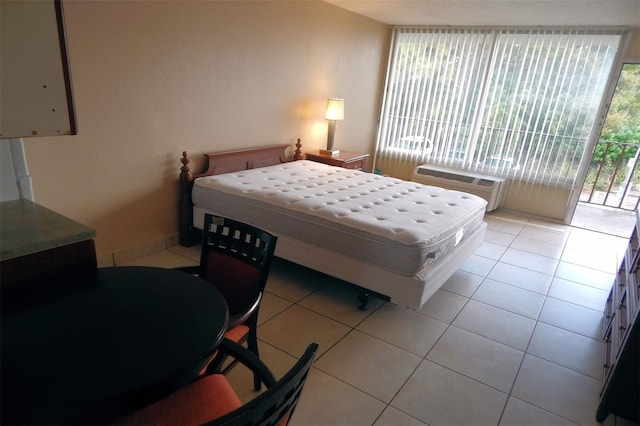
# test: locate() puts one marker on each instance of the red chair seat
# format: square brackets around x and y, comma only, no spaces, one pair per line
[211,400]
[237,333]
[203,400]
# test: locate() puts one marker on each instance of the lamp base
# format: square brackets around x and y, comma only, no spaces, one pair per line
[330,152]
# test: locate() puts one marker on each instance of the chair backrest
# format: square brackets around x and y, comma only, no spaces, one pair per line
[276,405]
[236,258]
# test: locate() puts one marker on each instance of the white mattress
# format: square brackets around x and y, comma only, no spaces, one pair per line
[398,225]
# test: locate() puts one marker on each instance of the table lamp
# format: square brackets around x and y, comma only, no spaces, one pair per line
[335,112]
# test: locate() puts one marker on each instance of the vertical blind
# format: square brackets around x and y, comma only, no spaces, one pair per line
[506,102]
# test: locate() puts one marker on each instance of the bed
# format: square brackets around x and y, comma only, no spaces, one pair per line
[396,239]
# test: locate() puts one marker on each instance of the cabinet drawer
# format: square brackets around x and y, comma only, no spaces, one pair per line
[608,311]
[634,244]
[608,356]
[622,278]
[354,165]
[634,282]
[621,323]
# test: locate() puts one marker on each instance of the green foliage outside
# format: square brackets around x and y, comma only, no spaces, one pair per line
[620,135]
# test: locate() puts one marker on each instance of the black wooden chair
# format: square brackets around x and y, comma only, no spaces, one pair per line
[236,259]
[210,399]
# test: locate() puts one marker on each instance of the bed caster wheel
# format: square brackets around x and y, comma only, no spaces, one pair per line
[363,298]
[601,415]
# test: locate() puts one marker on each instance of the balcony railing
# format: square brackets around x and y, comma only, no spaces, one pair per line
[613,179]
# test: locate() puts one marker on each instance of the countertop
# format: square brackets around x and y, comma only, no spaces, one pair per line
[27,227]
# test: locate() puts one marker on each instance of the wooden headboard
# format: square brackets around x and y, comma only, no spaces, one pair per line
[218,163]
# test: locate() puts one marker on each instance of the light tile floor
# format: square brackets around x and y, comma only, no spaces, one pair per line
[512,338]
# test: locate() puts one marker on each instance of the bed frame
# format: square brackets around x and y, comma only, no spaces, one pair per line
[223,162]
[409,291]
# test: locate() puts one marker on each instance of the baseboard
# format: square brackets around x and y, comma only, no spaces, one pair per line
[129,254]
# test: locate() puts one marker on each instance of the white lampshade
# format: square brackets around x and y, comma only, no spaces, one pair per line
[335,109]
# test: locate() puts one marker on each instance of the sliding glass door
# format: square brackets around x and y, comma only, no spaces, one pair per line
[613,176]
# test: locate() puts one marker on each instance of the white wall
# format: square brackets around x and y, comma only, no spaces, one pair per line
[152,79]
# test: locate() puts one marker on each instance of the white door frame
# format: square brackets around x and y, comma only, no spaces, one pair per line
[597,127]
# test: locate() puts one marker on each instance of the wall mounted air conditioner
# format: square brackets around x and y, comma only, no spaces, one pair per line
[491,188]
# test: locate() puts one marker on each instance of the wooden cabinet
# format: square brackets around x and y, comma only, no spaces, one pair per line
[346,159]
[37,244]
[620,392]
[37,95]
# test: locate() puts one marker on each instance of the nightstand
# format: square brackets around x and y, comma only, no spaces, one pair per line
[346,159]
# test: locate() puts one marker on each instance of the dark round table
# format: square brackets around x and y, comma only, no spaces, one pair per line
[106,343]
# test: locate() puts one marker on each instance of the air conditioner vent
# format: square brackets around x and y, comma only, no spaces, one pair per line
[446,175]
[486,182]
[491,188]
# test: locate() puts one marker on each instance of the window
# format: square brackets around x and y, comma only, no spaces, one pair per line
[508,102]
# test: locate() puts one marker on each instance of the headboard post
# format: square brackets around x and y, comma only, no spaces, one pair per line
[223,162]
[185,204]
[297,155]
